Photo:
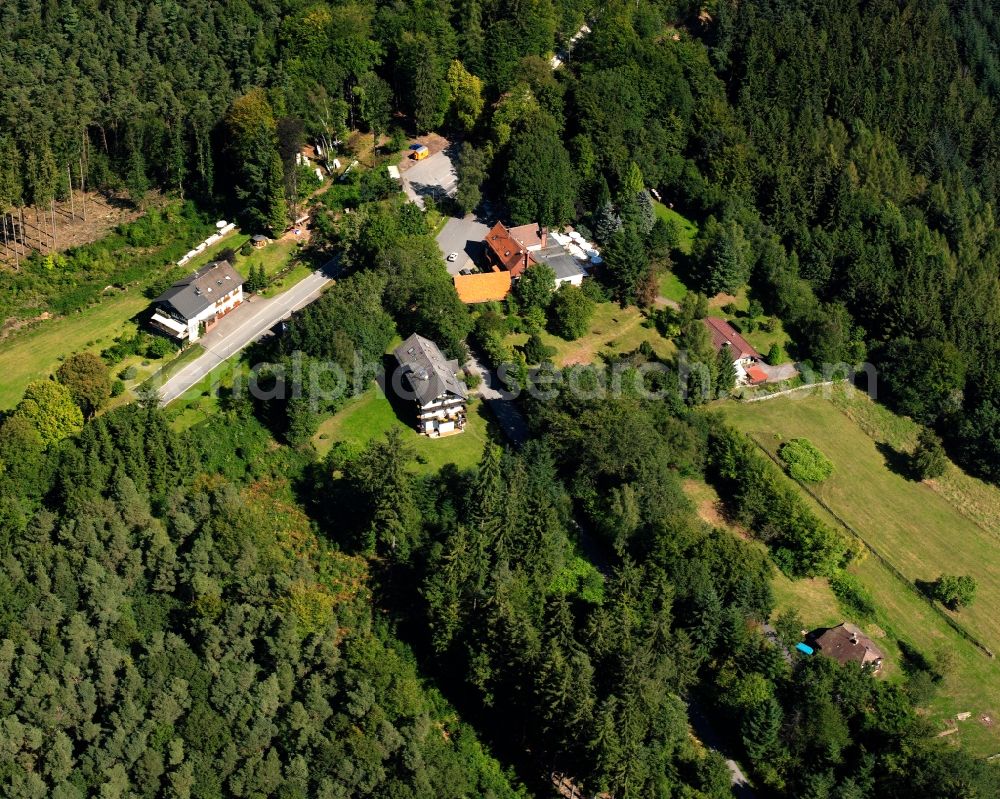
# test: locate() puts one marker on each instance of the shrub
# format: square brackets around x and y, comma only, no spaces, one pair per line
[117,388]
[853,595]
[160,347]
[774,355]
[804,461]
[128,373]
[535,350]
[929,459]
[954,591]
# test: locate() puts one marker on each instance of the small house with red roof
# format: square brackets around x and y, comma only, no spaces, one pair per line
[746,360]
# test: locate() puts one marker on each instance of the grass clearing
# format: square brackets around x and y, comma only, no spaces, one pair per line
[34,354]
[371,415]
[916,528]
[686,228]
[274,257]
[612,329]
[670,286]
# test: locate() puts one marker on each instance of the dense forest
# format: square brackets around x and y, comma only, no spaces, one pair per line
[207,614]
[220,613]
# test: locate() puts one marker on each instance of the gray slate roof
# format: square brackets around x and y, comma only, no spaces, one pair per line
[193,294]
[559,261]
[428,372]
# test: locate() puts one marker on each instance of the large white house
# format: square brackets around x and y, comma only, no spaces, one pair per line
[194,304]
[431,380]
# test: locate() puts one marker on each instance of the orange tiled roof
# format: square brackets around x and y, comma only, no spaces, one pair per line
[486,287]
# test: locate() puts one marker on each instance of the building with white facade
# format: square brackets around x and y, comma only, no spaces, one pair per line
[194,304]
[431,381]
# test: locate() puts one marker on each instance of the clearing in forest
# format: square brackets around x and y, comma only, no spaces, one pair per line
[920,529]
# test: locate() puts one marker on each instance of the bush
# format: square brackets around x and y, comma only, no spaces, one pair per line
[535,350]
[160,347]
[774,355]
[853,595]
[128,373]
[117,388]
[954,591]
[804,461]
[929,459]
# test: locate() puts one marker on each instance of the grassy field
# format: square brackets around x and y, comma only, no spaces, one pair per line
[36,353]
[688,229]
[922,531]
[670,286]
[371,415]
[613,329]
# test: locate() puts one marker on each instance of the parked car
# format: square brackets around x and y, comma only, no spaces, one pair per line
[452,256]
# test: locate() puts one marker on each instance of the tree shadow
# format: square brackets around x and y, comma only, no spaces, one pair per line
[925,587]
[896,460]
[913,661]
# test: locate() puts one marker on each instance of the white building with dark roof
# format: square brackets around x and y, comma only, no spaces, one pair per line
[431,380]
[200,299]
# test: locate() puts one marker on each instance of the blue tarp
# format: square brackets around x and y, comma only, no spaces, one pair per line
[804,649]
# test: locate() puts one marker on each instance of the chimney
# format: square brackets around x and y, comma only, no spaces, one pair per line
[854,638]
[543,235]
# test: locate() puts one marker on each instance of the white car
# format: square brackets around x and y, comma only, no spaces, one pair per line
[452,256]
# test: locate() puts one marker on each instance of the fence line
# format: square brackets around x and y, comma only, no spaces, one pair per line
[958,628]
[765,397]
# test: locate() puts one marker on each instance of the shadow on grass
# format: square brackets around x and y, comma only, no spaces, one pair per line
[896,460]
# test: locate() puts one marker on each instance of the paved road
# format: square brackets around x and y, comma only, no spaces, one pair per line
[241,327]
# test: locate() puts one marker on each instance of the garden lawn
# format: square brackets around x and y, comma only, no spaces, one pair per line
[670,286]
[688,229]
[612,329]
[918,530]
[274,257]
[370,415]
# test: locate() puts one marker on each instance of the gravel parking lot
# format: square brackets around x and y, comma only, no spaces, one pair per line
[464,236]
[433,177]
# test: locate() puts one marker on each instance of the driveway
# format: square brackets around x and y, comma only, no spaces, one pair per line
[783,371]
[433,177]
[242,326]
[509,418]
[464,236]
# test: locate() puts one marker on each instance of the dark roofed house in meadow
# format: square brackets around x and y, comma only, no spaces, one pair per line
[845,643]
[745,358]
[432,382]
